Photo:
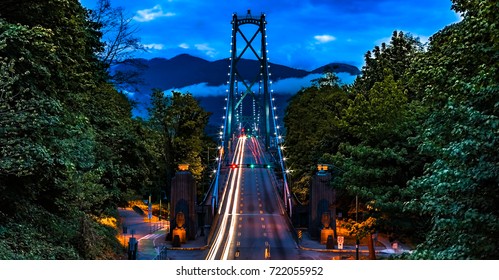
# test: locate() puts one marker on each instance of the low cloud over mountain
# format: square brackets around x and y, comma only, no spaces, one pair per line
[208,79]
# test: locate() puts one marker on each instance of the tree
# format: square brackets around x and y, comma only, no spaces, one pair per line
[180,122]
[50,172]
[377,161]
[313,127]
[365,134]
[43,148]
[120,43]
[396,57]
[458,190]
[126,162]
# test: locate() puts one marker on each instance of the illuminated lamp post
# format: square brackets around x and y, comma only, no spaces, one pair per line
[162,195]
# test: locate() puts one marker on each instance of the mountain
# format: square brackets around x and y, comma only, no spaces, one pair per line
[185,70]
[338,68]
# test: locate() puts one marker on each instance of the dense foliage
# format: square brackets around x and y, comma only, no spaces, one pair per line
[179,122]
[459,76]
[70,151]
[414,138]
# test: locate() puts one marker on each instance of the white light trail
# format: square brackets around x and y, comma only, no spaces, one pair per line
[230,207]
[233,222]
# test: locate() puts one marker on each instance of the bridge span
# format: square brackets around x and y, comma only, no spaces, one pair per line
[251,222]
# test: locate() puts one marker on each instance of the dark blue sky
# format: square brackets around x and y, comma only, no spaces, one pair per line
[304,34]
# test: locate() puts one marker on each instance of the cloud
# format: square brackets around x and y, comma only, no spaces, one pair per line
[184,46]
[284,86]
[293,85]
[202,89]
[321,39]
[151,14]
[129,93]
[209,51]
[154,46]
[311,22]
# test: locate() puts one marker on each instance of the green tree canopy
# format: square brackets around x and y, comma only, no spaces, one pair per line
[180,122]
[459,75]
[313,121]
[57,115]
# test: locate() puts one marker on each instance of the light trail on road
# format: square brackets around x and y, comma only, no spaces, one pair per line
[252,220]
[227,229]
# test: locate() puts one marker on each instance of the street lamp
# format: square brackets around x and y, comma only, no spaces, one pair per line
[162,195]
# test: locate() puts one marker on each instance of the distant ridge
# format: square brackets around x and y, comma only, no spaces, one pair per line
[185,70]
[338,68]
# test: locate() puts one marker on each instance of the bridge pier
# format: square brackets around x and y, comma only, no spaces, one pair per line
[322,202]
[183,199]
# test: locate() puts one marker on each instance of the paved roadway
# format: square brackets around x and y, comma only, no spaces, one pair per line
[251,220]
[252,223]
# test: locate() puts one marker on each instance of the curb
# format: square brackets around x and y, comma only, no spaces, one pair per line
[336,250]
[187,249]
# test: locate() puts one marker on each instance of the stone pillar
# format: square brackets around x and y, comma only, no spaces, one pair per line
[322,202]
[183,199]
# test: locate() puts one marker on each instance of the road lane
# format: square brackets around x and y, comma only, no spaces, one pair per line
[253,223]
[220,248]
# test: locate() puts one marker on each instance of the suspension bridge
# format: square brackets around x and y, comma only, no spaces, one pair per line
[249,198]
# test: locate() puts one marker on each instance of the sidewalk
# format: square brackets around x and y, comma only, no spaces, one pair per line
[150,233]
[382,246]
[152,244]
[155,247]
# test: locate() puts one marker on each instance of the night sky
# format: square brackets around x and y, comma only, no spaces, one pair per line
[304,34]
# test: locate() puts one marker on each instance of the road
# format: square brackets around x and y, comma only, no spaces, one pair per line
[252,223]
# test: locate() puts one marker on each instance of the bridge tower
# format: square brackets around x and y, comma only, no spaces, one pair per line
[260,78]
[263,118]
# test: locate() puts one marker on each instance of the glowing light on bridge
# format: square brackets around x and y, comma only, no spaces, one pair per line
[227,208]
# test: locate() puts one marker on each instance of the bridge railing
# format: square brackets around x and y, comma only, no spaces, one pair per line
[278,186]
